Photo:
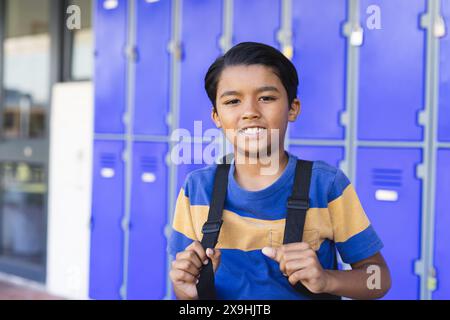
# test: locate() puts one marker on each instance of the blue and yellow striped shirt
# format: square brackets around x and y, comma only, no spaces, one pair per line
[256,219]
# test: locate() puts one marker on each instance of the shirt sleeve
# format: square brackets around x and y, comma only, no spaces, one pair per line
[354,236]
[182,231]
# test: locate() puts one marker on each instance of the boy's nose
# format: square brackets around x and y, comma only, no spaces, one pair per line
[251,112]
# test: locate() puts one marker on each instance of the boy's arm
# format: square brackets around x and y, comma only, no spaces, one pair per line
[369,279]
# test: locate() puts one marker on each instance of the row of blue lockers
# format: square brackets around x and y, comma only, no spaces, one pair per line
[397,220]
[391,69]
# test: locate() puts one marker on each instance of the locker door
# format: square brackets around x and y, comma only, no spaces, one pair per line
[147,246]
[442,226]
[105,276]
[110,65]
[152,67]
[390,194]
[392,66]
[444,77]
[201,31]
[319,56]
[256,20]
[331,155]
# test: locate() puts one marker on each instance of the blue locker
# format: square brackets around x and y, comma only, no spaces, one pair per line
[390,194]
[256,20]
[152,67]
[106,255]
[147,244]
[392,66]
[319,56]
[331,155]
[444,77]
[442,226]
[110,66]
[201,31]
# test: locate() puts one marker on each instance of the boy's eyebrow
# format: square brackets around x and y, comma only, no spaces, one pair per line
[261,89]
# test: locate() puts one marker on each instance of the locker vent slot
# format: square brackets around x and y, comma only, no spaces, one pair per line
[384,177]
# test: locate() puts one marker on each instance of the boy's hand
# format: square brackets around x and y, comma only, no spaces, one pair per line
[300,263]
[186,269]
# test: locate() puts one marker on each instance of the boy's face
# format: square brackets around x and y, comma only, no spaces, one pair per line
[253,97]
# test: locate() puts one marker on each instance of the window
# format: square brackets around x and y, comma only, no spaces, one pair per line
[26,65]
[81,47]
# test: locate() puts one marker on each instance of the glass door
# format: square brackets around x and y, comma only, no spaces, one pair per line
[24,109]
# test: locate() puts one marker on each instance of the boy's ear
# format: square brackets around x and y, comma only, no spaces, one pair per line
[215,118]
[294,110]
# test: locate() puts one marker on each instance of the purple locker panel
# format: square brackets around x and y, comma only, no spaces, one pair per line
[444,77]
[392,70]
[106,255]
[152,67]
[319,56]
[442,226]
[390,194]
[256,20]
[147,246]
[110,65]
[201,31]
[331,155]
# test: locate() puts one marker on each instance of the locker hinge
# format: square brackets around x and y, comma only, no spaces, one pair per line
[131,52]
[175,49]
[420,171]
[125,224]
[123,291]
[284,37]
[167,231]
[437,26]
[225,43]
[343,165]
[126,118]
[354,33]
[344,118]
[423,118]
[419,269]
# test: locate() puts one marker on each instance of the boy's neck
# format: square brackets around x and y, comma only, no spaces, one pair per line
[249,173]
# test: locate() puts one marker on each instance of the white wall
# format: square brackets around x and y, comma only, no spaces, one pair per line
[69,206]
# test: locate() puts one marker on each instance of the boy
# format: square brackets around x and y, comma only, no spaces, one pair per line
[253,90]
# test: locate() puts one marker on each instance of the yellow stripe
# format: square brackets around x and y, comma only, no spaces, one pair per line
[347,215]
[246,233]
[182,219]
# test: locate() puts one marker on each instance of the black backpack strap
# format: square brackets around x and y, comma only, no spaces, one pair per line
[206,286]
[297,206]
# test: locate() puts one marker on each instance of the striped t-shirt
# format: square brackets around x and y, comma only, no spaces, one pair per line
[256,219]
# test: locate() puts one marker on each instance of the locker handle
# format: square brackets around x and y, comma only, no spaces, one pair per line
[386,195]
[148,177]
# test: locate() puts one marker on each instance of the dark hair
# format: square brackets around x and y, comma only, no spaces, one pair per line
[249,53]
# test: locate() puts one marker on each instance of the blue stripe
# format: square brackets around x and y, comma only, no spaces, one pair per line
[177,242]
[361,246]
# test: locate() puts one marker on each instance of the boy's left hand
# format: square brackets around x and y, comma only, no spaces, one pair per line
[300,263]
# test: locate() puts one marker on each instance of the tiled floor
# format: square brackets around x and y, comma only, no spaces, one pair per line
[12,291]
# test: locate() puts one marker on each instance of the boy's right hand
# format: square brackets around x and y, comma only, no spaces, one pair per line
[186,268]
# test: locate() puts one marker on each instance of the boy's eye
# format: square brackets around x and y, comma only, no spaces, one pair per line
[234,101]
[267,98]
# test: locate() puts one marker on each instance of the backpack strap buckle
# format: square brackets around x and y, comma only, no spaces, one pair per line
[211,226]
[298,204]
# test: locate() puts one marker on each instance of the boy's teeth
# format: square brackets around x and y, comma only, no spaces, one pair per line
[252,130]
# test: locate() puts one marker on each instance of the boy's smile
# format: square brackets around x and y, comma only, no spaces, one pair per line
[253,109]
